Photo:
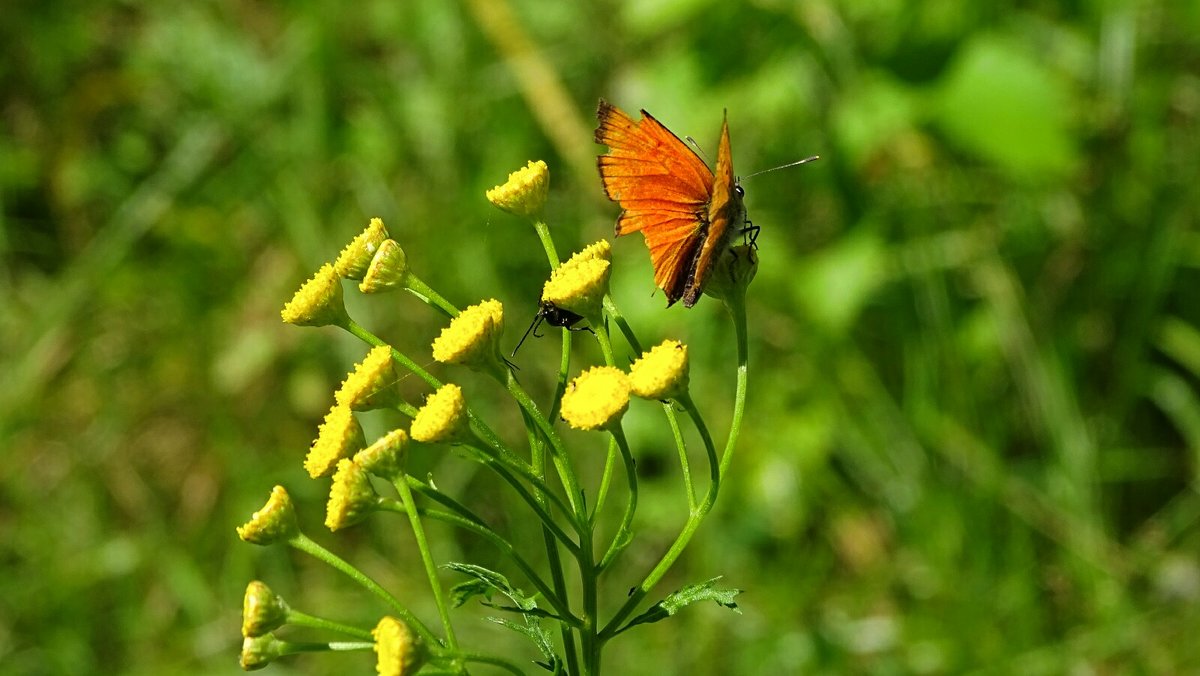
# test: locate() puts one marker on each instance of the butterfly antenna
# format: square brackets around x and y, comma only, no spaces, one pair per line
[785,166]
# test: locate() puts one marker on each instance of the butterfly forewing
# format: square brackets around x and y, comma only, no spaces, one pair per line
[668,194]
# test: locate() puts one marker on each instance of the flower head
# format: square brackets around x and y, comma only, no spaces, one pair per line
[339,437]
[443,418]
[388,270]
[580,283]
[400,652]
[372,383]
[263,610]
[352,263]
[385,457]
[735,268]
[259,651]
[596,399]
[275,522]
[524,194]
[318,302]
[351,498]
[661,373]
[472,338]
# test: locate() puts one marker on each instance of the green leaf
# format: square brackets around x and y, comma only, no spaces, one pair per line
[703,591]
[540,637]
[465,591]
[490,579]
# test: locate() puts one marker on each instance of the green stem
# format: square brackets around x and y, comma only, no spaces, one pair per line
[558,454]
[414,519]
[736,303]
[294,648]
[299,619]
[543,233]
[624,533]
[538,460]
[535,501]
[480,658]
[421,290]
[307,545]
[471,522]
[611,308]
[685,464]
[610,460]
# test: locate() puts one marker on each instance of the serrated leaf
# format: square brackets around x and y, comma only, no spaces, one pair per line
[497,582]
[528,612]
[702,591]
[535,632]
[465,591]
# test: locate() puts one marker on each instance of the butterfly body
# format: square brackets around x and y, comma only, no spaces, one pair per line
[688,214]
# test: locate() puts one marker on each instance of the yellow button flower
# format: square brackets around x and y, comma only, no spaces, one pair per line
[318,302]
[443,418]
[259,651]
[275,522]
[524,194]
[580,283]
[596,399]
[351,497]
[339,437]
[388,269]
[399,651]
[661,373]
[472,338]
[372,383]
[385,457]
[354,260]
[263,610]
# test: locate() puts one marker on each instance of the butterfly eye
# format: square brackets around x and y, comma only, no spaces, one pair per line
[741,192]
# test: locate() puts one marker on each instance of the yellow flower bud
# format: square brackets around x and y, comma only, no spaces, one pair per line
[275,522]
[443,418]
[372,383]
[263,610]
[259,651]
[351,498]
[388,270]
[596,399]
[579,284]
[354,260]
[318,302]
[385,457]
[524,194]
[661,373]
[735,268]
[472,338]
[399,651]
[338,437]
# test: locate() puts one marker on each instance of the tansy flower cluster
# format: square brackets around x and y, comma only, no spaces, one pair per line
[387,480]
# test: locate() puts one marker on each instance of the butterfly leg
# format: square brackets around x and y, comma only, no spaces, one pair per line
[750,233]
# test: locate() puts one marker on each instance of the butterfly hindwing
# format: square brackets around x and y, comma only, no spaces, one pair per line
[726,215]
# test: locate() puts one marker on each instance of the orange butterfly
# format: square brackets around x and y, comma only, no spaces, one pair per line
[688,214]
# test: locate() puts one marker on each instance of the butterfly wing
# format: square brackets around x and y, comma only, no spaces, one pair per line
[664,188]
[726,215]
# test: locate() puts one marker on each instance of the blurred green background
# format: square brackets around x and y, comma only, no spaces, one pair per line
[973,438]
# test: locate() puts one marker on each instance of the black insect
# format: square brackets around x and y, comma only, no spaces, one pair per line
[554,316]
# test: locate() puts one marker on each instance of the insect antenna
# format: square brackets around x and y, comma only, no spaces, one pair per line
[797,163]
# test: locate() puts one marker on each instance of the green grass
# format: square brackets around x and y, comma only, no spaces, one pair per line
[973,435]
